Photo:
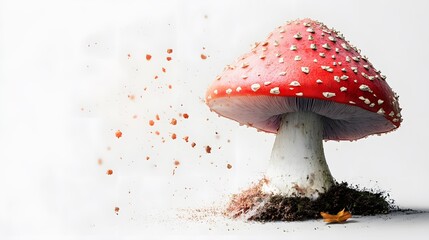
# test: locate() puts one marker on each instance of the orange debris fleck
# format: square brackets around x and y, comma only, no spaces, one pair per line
[117,210]
[157,133]
[208,149]
[100,161]
[132,97]
[173,136]
[169,50]
[193,144]
[157,117]
[186,138]
[156,77]
[109,172]
[185,115]
[148,57]
[204,57]
[176,163]
[164,70]
[129,55]
[118,134]
[173,121]
[229,166]
[169,86]
[151,122]
[147,157]
[168,58]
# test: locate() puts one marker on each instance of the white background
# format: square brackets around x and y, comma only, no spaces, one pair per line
[65,78]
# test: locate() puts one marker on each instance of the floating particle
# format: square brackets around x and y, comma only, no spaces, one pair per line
[208,149]
[148,57]
[118,134]
[173,121]
[203,57]
[109,172]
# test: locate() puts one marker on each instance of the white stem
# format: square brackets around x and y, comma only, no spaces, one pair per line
[297,166]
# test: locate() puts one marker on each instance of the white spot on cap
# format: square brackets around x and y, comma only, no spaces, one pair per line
[351,102]
[344,69]
[275,90]
[267,83]
[391,114]
[328,94]
[297,58]
[365,88]
[344,77]
[348,59]
[295,84]
[310,30]
[282,73]
[281,60]
[395,120]
[319,81]
[305,69]
[372,105]
[243,76]
[276,43]
[332,39]
[344,45]
[366,67]
[262,56]
[356,59]
[255,87]
[354,69]
[313,46]
[343,89]
[244,65]
[381,111]
[215,91]
[300,94]
[293,47]
[322,55]
[310,37]
[297,36]
[326,46]
[337,50]
[380,101]
[238,89]
[228,91]
[336,79]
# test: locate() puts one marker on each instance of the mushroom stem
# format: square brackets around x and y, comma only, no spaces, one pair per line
[297,166]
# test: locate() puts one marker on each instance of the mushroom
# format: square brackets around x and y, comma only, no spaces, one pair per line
[306,84]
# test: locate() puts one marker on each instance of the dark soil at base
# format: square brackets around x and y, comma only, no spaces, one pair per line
[253,204]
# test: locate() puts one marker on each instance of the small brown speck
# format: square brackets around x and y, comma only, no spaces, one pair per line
[203,57]
[173,121]
[173,136]
[208,149]
[229,166]
[148,57]
[193,144]
[109,172]
[117,210]
[169,51]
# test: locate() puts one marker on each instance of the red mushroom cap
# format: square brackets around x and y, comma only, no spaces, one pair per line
[305,66]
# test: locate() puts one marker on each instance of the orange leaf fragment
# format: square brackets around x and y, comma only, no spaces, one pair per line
[340,217]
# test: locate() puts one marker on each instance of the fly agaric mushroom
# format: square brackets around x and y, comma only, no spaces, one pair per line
[306,84]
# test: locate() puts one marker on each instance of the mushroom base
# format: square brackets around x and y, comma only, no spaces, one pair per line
[297,167]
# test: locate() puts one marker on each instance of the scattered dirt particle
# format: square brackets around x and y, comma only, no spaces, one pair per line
[132,97]
[169,86]
[118,134]
[229,166]
[129,55]
[151,122]
[176,163]
[164,70]
[100,161]
[203,57]
[156,77]
[147,157]
[173,136]
[135,116]
[109,172]
[168,58]
[193,144]
[208,149]
[186,138]
[169,51]
[148,57]
[185,115]
[157,133]
[117,210]
[157,117]
[173,121]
